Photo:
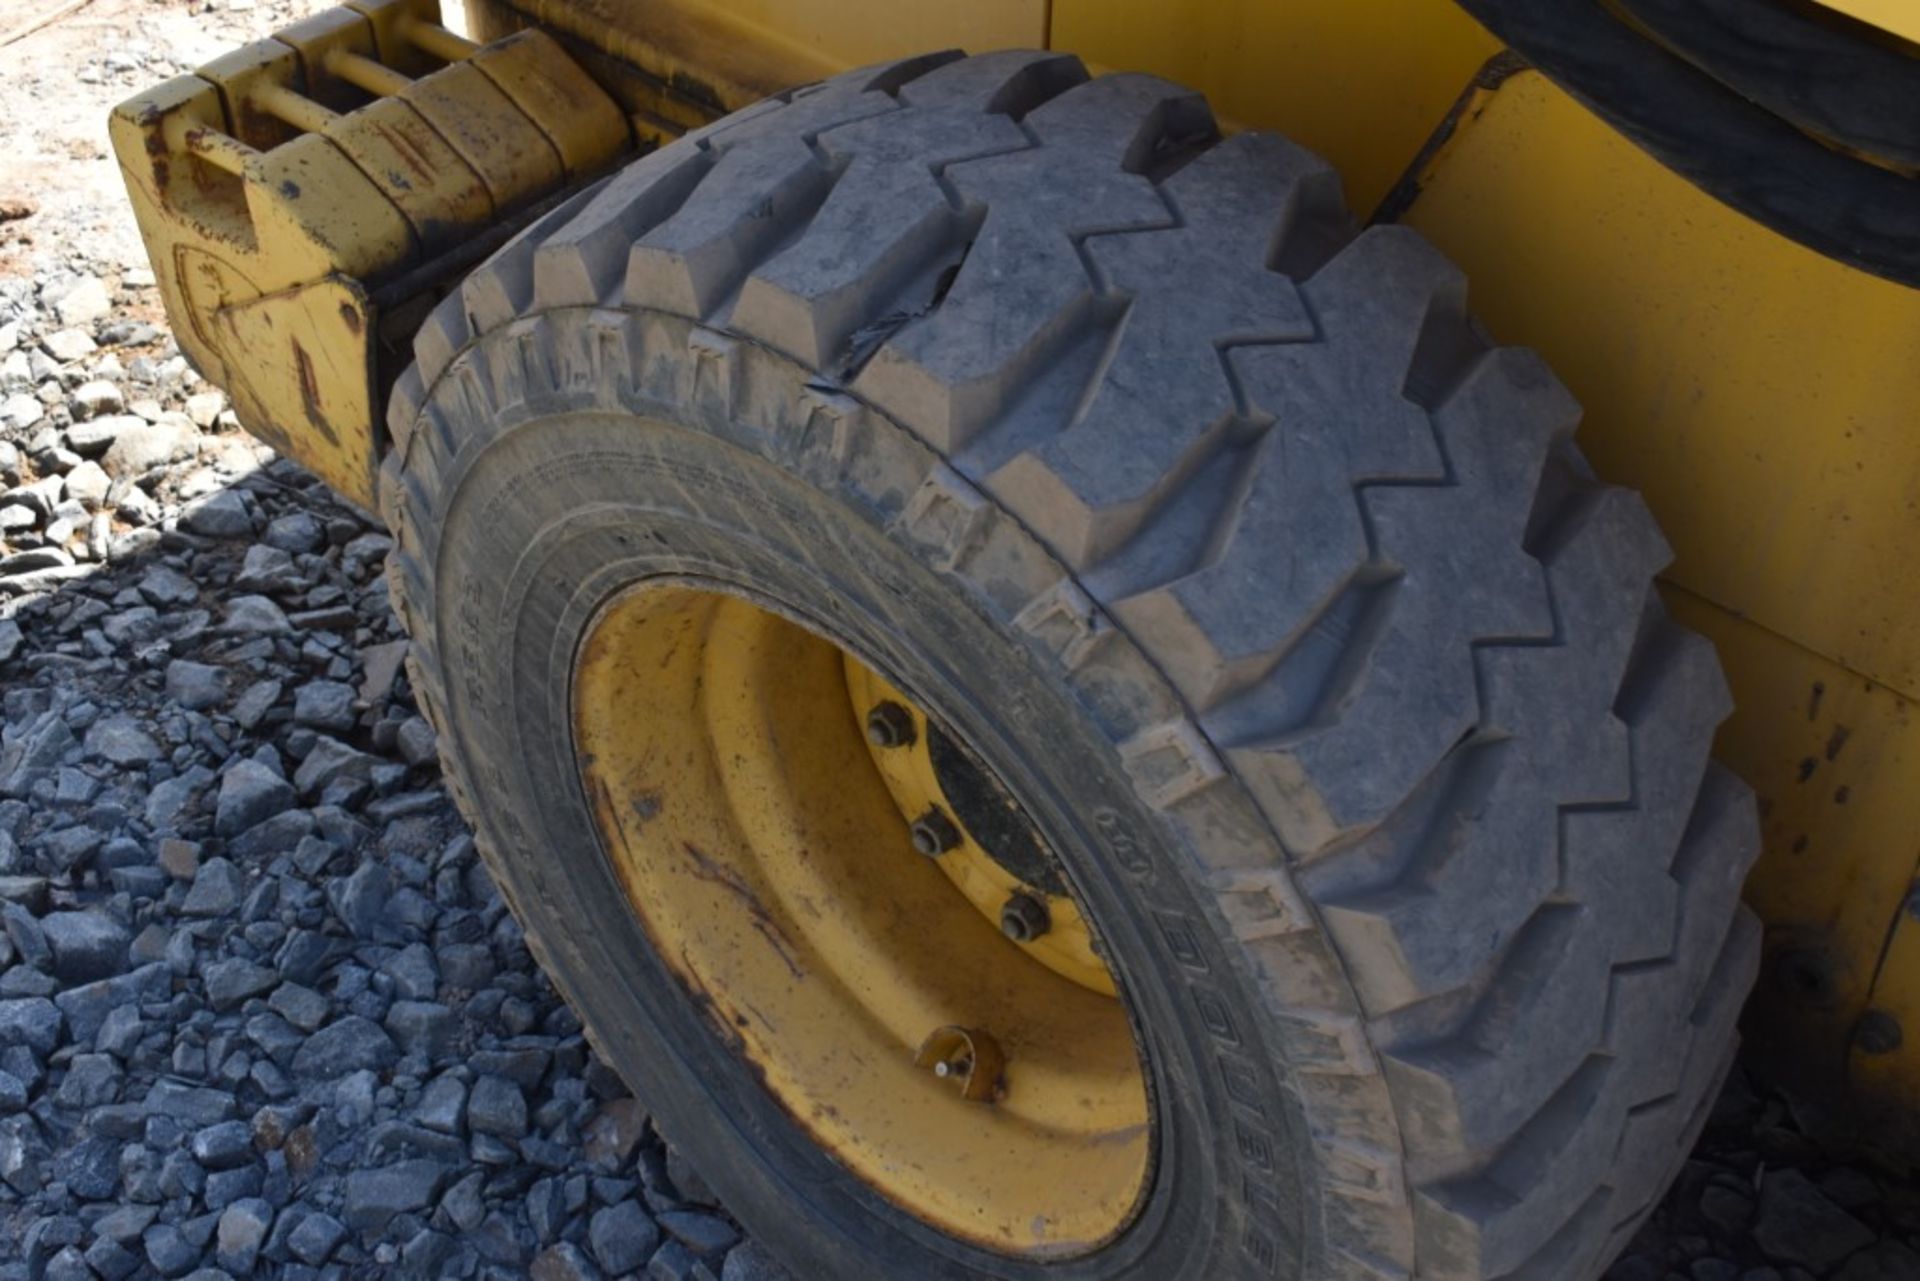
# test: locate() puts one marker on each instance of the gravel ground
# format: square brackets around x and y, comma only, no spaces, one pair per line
[262,1012]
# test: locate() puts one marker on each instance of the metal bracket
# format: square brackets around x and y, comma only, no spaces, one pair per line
[285,186]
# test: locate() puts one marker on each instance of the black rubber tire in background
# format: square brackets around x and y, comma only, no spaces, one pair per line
[1339,676]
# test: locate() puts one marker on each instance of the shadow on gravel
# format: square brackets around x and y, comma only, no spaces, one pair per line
[261,1008]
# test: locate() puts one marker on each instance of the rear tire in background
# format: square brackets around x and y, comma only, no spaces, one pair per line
[1275,598]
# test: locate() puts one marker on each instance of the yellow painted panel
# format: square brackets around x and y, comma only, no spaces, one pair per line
[720,55]
[849,33]
[1902,17]
[1363,84]
[1885,1066]
[1833,758]
[1762,396]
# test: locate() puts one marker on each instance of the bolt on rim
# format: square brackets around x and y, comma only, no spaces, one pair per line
[935,1013]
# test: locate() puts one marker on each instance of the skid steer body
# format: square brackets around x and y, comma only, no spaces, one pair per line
[1720,254]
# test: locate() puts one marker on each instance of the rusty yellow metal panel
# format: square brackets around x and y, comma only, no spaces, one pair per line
[283,184]
[1885,1062]
[1762,397]
[1364,84]
[676,64]
[1901,17]
[305,379]
[584,126]
[1832,757]
[853,32]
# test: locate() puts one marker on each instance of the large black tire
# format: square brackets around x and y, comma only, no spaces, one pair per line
[1371,748]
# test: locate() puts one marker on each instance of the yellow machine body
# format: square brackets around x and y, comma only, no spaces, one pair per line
[1761,394]
[1899,17]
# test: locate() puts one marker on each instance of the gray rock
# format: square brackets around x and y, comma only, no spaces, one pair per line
[204,407]
[361,899]
[301,1006]
[216,889]
[84,303]
[622,1237]
[168,800]
[85,945]
[466,966]
[297,533]
[139,446]
[120,1031]
[325,705]
[10,639]
[69,847]
[250,793]
[496,1106]
[219,515]
[381,665]
[168,588]
[196,686]
[413,971]
[112,1260]
[563,1262]
[125,1223]
[243,1230]
[189,1104]
[92,439]
[95,396]
[374,1197]
[223,1146]
[317,1237]
[168,1250]
[1798,1224]
[22,563]
[443,1105]
[463,1205]
[613,1133]
[121,740]
[233,979]
[32,1021]
[92,1080]
[328,761]
[269,570]
[701,1233]
[69,345]
[422,1028]
[86,1007]
[179,859]
[68,1265]
[256,615]
[275,836]
[88,483]
[672,1262]
[350,1044]
[416,742]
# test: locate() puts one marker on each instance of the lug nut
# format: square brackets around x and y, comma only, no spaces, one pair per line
[1024,918]
[890,725]
[934,833]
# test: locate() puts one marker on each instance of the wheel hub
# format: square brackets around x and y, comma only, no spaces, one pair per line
[768,818]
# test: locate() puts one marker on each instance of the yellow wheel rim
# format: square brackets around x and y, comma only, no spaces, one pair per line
[764,836]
